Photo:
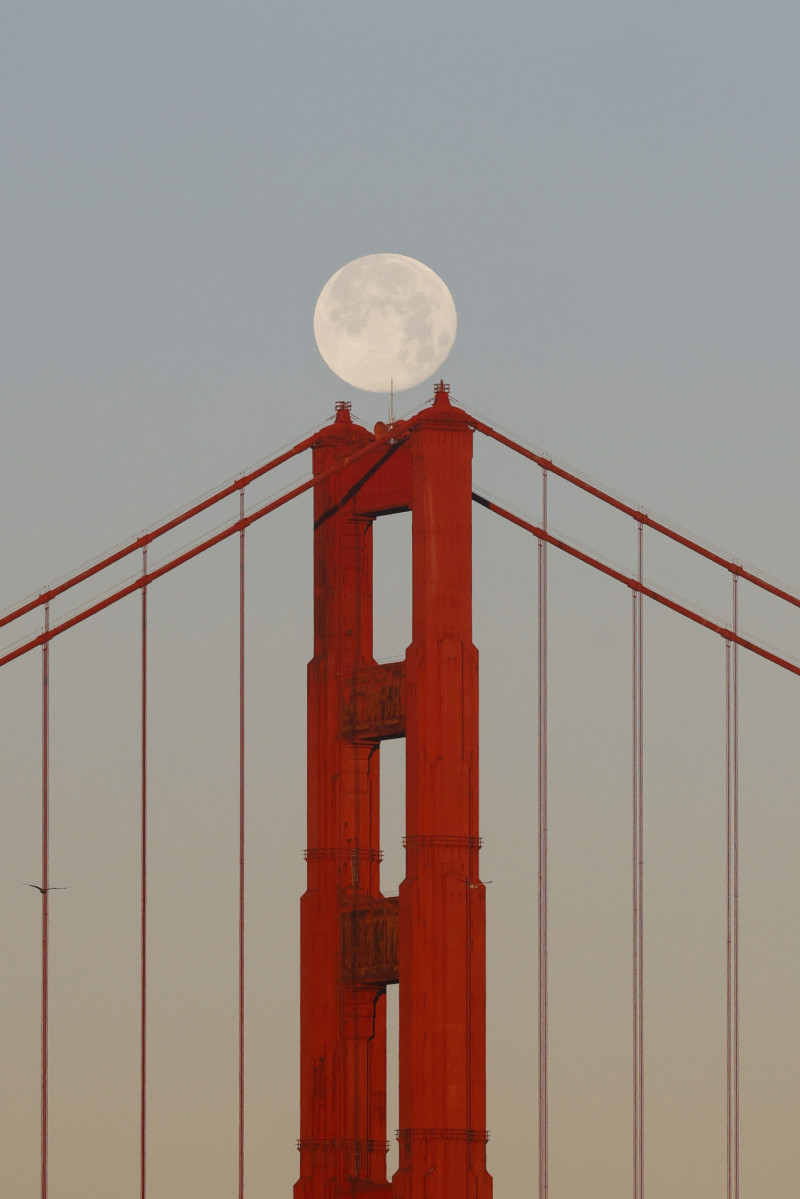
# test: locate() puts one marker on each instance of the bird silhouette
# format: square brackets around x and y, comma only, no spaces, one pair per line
[44,890]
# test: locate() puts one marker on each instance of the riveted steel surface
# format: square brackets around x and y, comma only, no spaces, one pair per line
[431,939]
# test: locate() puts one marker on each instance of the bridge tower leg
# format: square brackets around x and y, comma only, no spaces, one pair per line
[342,1016]
[442,901]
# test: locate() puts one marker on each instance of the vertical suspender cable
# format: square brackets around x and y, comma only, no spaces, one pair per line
[638,884]
[735,790]
[45,885]
[635,899]
[736,891]
[241,847]
[640,752]
[543,1031]
[729,916]
[143,930]
[732,880]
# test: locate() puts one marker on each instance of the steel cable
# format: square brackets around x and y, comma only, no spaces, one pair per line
[638,884]
[241,839]
[45,887]
[732,896]
[143,930]
[542,847]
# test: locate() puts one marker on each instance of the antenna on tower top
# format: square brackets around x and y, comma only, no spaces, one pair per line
[391,401]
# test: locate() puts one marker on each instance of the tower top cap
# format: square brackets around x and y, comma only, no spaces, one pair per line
[441,395]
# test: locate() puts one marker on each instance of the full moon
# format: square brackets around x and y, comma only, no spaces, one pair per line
[385,320]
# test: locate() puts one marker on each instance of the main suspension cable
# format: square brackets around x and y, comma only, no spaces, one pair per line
[186,555]
[542,810]
[153,534]
[637,514]
[629,581]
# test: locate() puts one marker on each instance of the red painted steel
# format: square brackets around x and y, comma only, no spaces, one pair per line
[401,431]
[544,1087]
[637,711]
[241,836]
[152,535]
[432,938]
[342,1022]
[725,631]
[158,572]
[442,1131]
[143,901]
[45,908]
[732,902]
[639,515]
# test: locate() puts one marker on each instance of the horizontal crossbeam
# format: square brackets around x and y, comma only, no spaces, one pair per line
[391,438]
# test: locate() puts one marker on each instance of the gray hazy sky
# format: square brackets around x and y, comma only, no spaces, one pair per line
[610,191]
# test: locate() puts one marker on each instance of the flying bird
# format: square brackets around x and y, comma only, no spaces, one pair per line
[44,890]
[474,886]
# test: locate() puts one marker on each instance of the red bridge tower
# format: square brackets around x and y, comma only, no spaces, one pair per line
[431,939]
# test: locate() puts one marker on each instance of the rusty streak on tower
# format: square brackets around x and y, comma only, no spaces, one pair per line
[431,939]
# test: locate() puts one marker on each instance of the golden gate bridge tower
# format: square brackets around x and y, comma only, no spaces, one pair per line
[429,940]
